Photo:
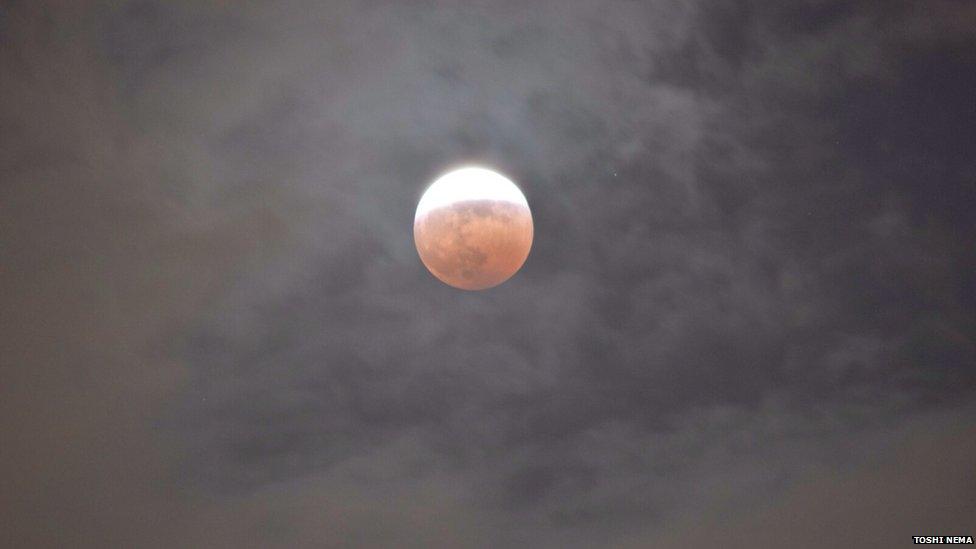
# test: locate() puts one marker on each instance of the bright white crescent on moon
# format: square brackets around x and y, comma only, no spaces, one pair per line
[473,228]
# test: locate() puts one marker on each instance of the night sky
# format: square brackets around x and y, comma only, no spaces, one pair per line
[748,318]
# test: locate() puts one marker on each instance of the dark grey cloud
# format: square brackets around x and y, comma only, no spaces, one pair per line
[750,290]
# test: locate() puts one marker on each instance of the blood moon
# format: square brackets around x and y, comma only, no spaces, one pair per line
[473,228]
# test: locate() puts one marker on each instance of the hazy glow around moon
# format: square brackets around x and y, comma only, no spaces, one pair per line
[473,228]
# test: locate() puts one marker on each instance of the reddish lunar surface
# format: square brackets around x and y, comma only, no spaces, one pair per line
[474,244]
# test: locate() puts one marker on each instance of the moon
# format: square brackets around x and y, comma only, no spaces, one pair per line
[473,228]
